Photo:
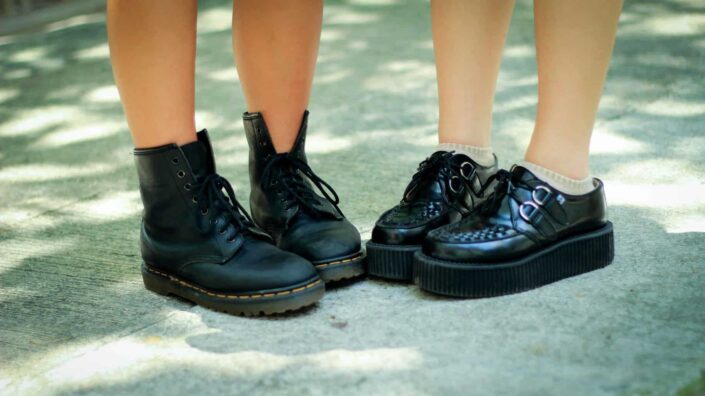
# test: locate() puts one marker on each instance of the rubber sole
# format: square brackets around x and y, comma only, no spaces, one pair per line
[395,262]
[342,268]
[251,304]
[569,257]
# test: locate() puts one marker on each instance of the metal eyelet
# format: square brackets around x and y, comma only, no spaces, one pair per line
[527,217]
[187,186]
[230,240]
[454,189]
[467,176]
[194,199]
[180,174]
[204,211]
[545,197]
[221,232]
[175,160]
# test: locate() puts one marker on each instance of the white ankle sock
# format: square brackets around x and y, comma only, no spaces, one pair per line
[561,183]
[482,155]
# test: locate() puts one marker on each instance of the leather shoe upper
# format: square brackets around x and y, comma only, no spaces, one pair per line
[522,215]
[193,226]
[293,204]
[445,188]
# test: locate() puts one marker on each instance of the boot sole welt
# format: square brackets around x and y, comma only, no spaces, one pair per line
[394,262]
[343,268]
[569,257]
[248,304]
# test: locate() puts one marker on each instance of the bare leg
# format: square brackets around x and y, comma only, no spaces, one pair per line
[468,38]
[574,41]
[276,45]
[153,48]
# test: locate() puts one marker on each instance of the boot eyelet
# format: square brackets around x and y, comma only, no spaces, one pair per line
[175,160]
[230,240]
[204,211]
[187,186]
[194,199]
[221,232]
[180,174]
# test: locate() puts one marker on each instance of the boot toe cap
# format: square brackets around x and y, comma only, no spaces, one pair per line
[323,241]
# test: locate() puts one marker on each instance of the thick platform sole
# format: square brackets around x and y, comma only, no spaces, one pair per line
[569,257]
[250,304]
[341,268]
[395,262]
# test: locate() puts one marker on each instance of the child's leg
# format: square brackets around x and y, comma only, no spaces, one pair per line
[574,40]
[276,45]
[468,37]
[152,48]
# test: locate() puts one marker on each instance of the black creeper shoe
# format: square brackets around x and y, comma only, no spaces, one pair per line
[445,188]
[526,236]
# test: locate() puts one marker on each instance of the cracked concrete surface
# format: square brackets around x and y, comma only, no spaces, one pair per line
[75,318]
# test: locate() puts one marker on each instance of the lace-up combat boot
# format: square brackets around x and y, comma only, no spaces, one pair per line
[198,242]
[284,204]
[526,235]
[445,188]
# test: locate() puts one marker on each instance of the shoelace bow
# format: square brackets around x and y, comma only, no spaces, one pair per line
[286,170]
[506,185]
[210,195]
[439,164]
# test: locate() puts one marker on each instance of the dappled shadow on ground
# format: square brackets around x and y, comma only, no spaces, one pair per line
[70,213]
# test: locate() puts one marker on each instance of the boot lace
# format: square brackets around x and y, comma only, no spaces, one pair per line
[285,171]
[211,196]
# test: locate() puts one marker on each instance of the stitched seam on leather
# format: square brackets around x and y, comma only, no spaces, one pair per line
[234,296]
[338,261]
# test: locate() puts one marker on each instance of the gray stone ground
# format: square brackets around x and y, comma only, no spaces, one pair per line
[74,318]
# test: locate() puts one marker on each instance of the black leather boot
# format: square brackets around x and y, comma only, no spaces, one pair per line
[199,243]
[445,188]
[284,204]
[527,235]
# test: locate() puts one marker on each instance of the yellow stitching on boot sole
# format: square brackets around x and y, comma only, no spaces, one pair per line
[323,265]
[233,296]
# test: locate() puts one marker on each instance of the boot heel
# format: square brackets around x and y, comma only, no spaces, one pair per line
[155,283]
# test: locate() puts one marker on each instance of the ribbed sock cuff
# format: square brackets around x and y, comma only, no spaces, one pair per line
[482,155]
[561,183]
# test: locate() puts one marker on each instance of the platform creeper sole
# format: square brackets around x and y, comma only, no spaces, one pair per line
[266,302]
[569,257]
[394,262]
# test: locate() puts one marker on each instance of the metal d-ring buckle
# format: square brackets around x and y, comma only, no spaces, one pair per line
[545,197]
[453,189]
[462,170]
[527,217]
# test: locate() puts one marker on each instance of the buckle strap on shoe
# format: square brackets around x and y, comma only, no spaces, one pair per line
[544,211]
[287,170]
[453,180]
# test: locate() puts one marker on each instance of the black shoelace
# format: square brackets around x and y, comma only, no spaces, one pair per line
[284,172]
[506,185]
[210,196]
[440,164]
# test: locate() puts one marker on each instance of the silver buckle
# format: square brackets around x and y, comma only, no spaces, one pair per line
[536,199]
[527,217]
[462,170]
[453,189]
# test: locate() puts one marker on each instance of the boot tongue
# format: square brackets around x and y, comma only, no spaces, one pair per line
[197,157]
